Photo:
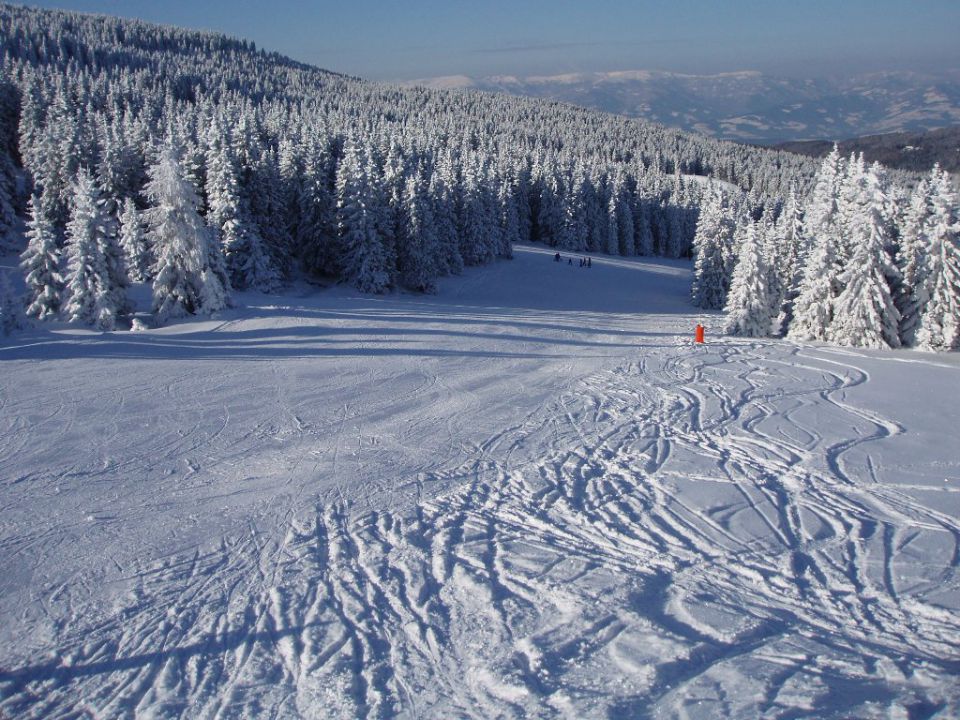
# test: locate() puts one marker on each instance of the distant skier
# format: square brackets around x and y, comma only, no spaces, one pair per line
[589,264]
[569,261]
[556,258]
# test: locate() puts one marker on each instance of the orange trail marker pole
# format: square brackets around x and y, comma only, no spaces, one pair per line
[699,336]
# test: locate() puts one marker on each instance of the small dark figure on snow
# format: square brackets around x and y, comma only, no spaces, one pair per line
[556,258]
[589,263]
[569,261]
[581,262]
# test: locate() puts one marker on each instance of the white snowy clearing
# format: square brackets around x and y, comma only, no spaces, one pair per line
[529,496]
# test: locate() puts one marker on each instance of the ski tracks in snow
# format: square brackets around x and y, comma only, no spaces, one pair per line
[682,536]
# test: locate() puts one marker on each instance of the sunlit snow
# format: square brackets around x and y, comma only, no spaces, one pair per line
[529,495]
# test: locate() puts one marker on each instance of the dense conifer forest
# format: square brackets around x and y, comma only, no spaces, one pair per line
[197,163]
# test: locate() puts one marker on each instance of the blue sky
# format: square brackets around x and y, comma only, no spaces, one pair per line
[404,39]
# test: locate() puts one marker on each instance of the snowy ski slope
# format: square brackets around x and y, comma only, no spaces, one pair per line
[529,496]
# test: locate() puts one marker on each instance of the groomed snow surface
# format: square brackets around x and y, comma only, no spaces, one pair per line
[529,496]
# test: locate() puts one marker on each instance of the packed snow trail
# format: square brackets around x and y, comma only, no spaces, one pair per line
[688,531]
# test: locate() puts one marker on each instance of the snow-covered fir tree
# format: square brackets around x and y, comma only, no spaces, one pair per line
[747,309]
[822,211]
[449,259]
[419,247]
[94,292]
[621,216]
[474,225]
[509,219]
[8,216]
[711,245]
[864,314]
[11,307]
[41,264]
[642,233]
[315,214]
[185,281]
[816,294]
[132,242]
[773,255]
[911,297]
[365,257]
[248,262]
[940,322]
[793,249]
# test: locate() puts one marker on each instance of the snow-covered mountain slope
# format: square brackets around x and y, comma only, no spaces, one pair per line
[530,495]
[748,106]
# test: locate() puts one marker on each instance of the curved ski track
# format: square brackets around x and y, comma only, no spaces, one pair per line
[672,538]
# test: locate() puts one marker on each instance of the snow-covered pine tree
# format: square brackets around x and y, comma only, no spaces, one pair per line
[57,156]
[912,295]
[290,187]
[41,264]
[642,229]
[794,249]
[11,307]
[821,215]
[132,242]
[473,224]
[816,295]
[748,304]
[449,261]
[572,234]
[93,293]
[715,230]
[864,313]
[674,239]
[418,249]
[248,262]
[509,218]
[493,213]
[366,261]
[110,246]
[184,279]
[10,118]
[271,257]
[776,281]
[621,218]
[550,208]
[850,205]
[316,228]
[611,245]
[940,323]
[8,216]
[813,309]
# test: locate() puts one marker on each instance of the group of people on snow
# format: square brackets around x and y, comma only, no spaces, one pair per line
[584,261]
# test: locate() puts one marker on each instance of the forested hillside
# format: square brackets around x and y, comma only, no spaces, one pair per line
[914,151]
[133,137]
[199,164]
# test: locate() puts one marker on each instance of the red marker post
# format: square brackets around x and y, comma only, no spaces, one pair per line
[699,336]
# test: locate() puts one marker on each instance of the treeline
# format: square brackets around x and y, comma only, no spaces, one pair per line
[292,169]
[859,262]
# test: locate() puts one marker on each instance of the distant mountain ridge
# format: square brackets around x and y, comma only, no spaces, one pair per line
[915,152]
[748,106]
